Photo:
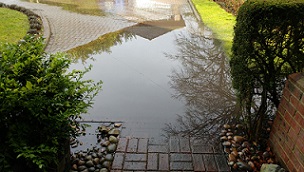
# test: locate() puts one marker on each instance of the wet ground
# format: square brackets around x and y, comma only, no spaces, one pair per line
[139,72]
[163,73]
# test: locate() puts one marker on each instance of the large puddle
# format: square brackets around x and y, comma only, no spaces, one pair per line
[160,77]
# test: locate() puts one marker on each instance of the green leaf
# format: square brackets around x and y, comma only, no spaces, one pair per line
[29,85]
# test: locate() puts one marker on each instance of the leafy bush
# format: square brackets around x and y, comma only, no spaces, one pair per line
[40,101]
[267,47]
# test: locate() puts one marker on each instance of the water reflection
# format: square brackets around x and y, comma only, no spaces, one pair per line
[100,45]
[204,82]
[142,10]
[90,7]
[148,30]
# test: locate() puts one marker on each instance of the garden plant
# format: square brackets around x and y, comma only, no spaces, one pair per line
[268,46]
[40,101]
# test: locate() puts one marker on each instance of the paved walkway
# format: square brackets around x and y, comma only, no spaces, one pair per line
[174,154]
[66,30]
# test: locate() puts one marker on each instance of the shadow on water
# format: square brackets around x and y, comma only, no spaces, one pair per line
[90,7]
[148,30]
[204,83]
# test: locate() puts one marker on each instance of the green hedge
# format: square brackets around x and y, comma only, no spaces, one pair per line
[268,45]
[40,101]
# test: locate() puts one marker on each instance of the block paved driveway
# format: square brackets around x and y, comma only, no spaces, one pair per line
[65,30]
[174,154]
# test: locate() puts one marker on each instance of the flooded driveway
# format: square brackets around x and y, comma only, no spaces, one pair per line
[161,76]
[164,75]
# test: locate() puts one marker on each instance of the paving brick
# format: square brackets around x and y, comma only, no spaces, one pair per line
[217,148]
[209,162]
[198,162]
[174,144]
[142,146]
[158,148]
[180,157]
[184,145]
[183,166]
[118,161]
[157,141]
[135,157]
[221,163]
[163,162]
[152,161]
[132,145]
[122,145]
[135,165]
[202,148]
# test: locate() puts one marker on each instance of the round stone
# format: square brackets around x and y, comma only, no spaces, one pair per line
[106,164]
[227,150]
[231,163]
[114,132]
[74,167]
[94,155]
[235,153]
[96,161]
[89,163]
[81,168]
[231,157]
[88,157]
[81,162]
[112,148]
[238,139]
[266,154]
[224,138]
[104,170]
[113,139]
[227,144]
[227,126]
[243,166]
[222,134]
[98,166]
[105,143]
[239,126]
[103,129]
[91,169]
[109,157]
[117,125]
[229,134]
[245,144]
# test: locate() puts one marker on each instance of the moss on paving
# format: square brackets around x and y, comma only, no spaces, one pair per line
[218,20]
[13,27]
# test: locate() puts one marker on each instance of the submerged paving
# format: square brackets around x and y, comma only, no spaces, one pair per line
[67,30]
[175,154]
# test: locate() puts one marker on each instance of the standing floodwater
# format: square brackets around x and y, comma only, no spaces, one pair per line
[165,74]
[154,72]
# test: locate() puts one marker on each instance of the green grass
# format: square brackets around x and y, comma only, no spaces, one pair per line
[218,20]
[13,27]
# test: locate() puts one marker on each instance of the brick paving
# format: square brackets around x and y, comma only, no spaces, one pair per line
[174,154]
[67,30]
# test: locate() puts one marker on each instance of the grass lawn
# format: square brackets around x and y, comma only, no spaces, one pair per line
[218,20]
[13,27]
